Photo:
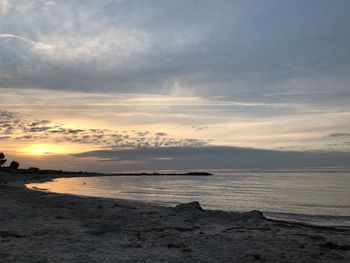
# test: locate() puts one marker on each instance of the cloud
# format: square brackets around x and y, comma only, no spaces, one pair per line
[339,135]
[3,7]
[199,128]
[21,129]
[218,120]
[7,115]
[243,51]
[215,157]
[36,45]
[161,134]
[9,122]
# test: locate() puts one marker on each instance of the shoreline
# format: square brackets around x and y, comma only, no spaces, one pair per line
[267,214]
[92,229]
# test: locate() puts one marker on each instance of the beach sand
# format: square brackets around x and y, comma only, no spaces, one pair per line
[47,227]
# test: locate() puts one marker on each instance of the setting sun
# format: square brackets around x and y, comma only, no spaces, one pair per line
[46,149]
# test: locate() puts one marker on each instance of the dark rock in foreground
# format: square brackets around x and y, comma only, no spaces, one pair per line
[193,206]
[255,214]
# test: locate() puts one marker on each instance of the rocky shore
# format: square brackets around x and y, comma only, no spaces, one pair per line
[46,227]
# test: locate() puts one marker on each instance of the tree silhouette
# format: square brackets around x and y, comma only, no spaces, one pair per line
[14,165]
[2,159]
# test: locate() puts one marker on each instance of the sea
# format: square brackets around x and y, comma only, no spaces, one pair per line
[317,198]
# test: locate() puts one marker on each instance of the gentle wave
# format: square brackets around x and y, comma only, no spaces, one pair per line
[318,220]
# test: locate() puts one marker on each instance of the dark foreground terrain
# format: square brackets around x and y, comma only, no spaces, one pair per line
[45,227]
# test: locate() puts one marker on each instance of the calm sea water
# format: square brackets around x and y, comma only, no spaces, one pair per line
[314,198]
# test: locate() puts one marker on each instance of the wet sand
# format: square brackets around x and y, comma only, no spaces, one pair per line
[46,227]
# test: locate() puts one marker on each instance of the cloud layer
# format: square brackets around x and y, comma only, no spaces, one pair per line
[211,157]
[240,49]
[16,128]
[125,150]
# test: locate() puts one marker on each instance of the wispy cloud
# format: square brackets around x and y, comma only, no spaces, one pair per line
[39,46]
[340,135]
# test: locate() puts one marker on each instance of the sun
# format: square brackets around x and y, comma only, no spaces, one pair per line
[44,149]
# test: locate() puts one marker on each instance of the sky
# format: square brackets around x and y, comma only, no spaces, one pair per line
[125,85]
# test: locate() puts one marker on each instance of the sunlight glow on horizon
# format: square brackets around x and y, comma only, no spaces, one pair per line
[47,149]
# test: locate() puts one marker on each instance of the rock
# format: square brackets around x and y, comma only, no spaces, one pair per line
[255,214]
[193,206]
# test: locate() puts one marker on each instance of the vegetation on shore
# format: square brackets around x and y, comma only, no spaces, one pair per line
[13,165]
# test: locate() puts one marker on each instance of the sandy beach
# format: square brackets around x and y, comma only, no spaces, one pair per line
[47,227]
